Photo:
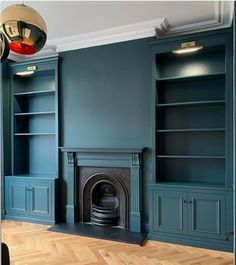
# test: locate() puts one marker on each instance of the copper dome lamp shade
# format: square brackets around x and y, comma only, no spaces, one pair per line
[24,28]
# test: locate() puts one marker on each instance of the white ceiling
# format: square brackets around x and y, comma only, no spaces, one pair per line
[74,21]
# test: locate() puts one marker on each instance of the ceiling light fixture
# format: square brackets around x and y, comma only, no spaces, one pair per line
[25,29]
[187,47]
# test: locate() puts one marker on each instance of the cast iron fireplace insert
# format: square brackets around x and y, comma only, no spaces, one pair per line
[103,196]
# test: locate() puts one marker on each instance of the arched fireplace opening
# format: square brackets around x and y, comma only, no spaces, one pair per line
[104,196]
[105,204]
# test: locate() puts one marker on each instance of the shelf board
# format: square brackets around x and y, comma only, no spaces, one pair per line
[191,130]
[192,184]
[183,78]
[35,176]
[192,103]
[35,113]
[191,156]
[23,134]
[35,93]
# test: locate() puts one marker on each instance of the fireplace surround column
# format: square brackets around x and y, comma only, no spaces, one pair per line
[119,157]
[71,207]
[135,215]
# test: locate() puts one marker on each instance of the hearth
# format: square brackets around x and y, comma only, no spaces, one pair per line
[108,233]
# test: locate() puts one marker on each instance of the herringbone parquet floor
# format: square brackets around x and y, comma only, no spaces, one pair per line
[33,244]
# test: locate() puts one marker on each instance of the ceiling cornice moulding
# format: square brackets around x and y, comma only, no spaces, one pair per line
[222,18]
[46,52]
[223,15]
[113,35]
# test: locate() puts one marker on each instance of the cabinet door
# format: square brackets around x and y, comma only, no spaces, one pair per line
[170,212]
[16,197]
[206,215]
[41,199]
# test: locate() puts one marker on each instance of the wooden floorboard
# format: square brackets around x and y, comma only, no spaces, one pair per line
[33,244]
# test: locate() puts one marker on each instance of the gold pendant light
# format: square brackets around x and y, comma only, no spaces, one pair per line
[24,28]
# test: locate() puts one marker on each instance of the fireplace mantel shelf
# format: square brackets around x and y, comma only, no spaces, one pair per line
[102,150]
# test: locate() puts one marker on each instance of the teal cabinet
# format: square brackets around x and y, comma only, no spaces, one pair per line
[17,197]
[206,215]
[170,212]
[194,216]
[29,199]
[41,199]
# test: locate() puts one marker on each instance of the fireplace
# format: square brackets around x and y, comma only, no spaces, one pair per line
[103,196]
[103,187]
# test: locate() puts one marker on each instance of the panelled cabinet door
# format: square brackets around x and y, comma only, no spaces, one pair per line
[41,199]
[206,215]
[170,212]
[17,197]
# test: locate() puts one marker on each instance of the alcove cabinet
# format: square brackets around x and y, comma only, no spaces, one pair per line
[198,213]
[30,199]
[192,140]
[31,188]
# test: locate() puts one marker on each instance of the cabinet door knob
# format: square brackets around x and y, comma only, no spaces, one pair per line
[190,202]
[185,201]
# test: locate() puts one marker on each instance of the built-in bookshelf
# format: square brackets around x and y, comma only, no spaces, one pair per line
[190,117]
[34,119]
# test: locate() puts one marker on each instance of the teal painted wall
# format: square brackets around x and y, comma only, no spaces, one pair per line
[105,97]
[6,120]
[234,120]
[5,128]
